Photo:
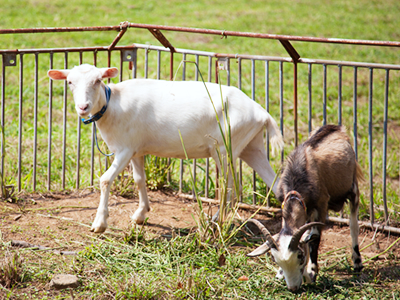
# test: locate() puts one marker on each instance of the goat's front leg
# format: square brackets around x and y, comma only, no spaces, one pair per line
[313,241]
[313,245]
[140,178]
[121,160]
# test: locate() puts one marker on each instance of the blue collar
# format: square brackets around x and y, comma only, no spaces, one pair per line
[100,113]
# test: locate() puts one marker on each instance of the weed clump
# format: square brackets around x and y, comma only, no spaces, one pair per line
[11,270]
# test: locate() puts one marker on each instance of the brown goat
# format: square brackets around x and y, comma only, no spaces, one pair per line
[320,175]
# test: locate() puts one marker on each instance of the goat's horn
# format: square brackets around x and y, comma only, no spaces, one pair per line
[294,242]
[270,240]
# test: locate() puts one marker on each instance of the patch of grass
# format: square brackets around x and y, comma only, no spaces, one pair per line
[250,16]
[154,267]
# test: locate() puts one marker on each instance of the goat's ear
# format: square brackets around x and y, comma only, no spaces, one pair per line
[311,237]
[58,74]
[260,250]
[109,72]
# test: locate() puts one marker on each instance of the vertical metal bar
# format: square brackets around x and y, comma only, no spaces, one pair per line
[324,96]
[267,109]
[35,113]
[78,150]
[209,68]
[253,96]
[217,191]
[92,146]
[228,71]
[385,121]
[240,161]
[3,97]
[158,64]
[208,159]
[281,101]
[50,126]
[371,187]
[121,66]
[182,161]
[171,66]
[171,77]
[309,98]
[106,158]
[184,67]
[64,123]
[196,73]
[196,76]
[340,107]
[194,178]
[340,96]
[295,103]
[146,63]
[134,65]
[355,112]
[267,101]
[21,95]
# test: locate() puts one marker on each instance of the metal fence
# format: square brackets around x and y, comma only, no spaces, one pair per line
[28,151]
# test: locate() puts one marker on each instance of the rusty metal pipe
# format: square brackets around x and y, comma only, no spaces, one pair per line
[226,33]
[223,33]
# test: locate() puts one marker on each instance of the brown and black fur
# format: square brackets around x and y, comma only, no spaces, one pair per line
[324,171]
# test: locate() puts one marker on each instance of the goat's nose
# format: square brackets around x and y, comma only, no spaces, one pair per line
[83,106]
[293,289]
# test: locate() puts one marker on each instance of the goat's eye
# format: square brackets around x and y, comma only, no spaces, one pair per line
[98,81]
[69,82]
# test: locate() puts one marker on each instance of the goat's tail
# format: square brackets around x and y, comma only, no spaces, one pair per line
[359,174]
[275,135]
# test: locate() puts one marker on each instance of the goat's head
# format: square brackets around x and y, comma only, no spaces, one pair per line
[85,82]
[288,248]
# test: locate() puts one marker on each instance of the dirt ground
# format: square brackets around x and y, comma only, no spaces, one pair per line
[62,221]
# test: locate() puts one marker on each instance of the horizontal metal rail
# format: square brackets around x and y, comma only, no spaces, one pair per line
[222,33]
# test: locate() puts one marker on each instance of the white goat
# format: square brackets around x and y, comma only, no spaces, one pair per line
[145,116]
[320,174]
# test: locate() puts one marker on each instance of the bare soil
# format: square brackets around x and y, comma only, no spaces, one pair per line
[62,221]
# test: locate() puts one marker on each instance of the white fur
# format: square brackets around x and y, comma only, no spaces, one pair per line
[145,116]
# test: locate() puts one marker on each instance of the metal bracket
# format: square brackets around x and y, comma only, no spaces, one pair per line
[10,59]
[222,63]
[129,55]
[290,49]
[162,39]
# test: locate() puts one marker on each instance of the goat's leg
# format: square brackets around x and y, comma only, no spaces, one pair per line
[121,160]
[313,241]
[354,230]
[140,178]
[255,156]
[313,245]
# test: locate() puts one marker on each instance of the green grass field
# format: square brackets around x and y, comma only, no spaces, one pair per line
[374,20]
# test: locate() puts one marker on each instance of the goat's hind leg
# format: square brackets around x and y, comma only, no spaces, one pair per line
[255,156]
[99,224]
[354,230]
[140,179]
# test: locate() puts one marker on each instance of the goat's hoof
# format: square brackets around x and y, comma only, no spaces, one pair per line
[138,218]
[98,229]
[138,221]
[358,268]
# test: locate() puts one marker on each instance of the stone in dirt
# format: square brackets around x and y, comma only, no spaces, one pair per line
[63,281]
